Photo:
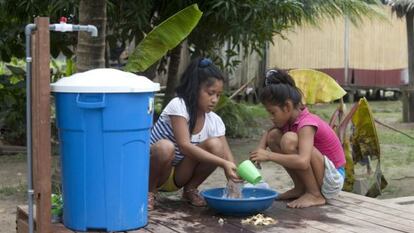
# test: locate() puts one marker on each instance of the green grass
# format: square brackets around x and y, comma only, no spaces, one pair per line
[257,111]
[8,191]
[410,156]
[388,136]
[14,158]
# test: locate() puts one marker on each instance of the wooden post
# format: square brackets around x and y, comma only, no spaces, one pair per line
[408,90]
[41,125]
[408,103]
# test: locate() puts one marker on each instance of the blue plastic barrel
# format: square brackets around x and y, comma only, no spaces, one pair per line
[104,118]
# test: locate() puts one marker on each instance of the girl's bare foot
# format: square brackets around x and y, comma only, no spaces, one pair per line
[293,193]
[307,200]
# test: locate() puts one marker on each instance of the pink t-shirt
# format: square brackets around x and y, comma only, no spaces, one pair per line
[326,140]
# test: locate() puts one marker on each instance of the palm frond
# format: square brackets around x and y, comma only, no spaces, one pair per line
[401,7]
[355,10]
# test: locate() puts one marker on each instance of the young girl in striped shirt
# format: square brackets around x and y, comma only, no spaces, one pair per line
[188,140]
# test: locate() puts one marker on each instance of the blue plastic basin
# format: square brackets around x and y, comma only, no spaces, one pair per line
[253,201]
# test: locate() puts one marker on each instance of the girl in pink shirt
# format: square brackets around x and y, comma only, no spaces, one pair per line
[301,142]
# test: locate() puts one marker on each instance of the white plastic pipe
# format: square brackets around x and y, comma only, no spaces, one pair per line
[67,27]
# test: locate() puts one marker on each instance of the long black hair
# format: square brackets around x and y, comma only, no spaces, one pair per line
[199,72]
[279,87]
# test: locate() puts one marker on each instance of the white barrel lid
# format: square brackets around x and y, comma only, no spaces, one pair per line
[104,80]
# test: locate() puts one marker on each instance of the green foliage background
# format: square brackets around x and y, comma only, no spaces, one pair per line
[242,24]
[241,120]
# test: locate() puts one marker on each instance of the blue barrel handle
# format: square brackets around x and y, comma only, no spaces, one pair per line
[92,104]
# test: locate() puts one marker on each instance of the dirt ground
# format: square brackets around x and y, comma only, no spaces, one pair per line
[397,165]
[12,189]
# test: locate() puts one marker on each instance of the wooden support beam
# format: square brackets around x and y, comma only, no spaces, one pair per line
[41,124]
[408,103]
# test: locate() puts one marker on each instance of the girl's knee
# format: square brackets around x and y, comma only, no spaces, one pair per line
[163,151]
[214,146]
[289,143]
[273,138]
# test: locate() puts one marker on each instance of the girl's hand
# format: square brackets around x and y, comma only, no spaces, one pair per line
[260,155]
[230,170]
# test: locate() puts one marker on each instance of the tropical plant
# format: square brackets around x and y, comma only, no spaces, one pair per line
[238,25]
[14,15]
[57,207]
[362,146]
[89,57]
[405,8]
[162,38]
[245,24]
[239,121]
[250,25]
[13,96]
[365,145]
[12,111]
[127,21]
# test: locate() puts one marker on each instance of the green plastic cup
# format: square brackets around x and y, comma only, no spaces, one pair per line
[249,172]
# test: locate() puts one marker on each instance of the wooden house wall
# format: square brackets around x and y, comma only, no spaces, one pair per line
[377,50]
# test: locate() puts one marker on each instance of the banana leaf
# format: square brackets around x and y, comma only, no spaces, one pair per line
[163,37]
[349,168]
[364,138]
[316,86]
[365,145]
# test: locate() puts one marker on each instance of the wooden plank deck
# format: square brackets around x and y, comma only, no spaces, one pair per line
[347,213]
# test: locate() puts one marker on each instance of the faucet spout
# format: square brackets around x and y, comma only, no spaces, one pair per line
[93,30]
[88,28]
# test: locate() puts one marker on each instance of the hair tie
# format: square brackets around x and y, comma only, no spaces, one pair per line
[205,62]
[269,75]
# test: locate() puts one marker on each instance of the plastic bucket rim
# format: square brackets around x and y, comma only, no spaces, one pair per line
[206,195]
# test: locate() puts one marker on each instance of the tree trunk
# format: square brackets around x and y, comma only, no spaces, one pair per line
[172,81]
[408,92]
[90,51]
